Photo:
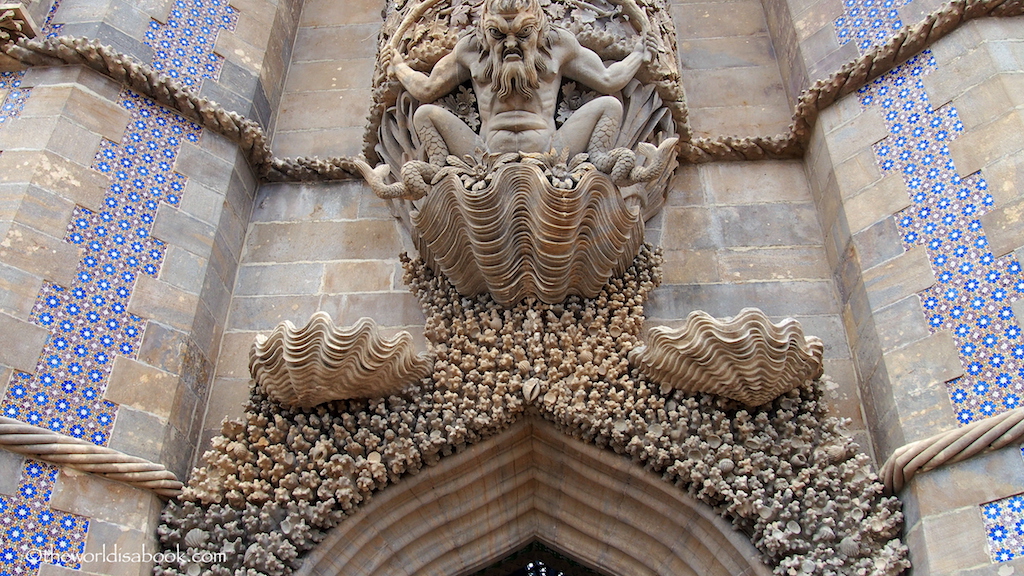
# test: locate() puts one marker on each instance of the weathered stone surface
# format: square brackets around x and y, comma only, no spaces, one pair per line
[360,41]
[720,300]
[691,267]
[265,312]
[879,200]
[755,182]
[938,546]
[714,54]
[752,82]
[977,148]
[858,171]
[358,276]
[895,279]
[690,228]
[142,387]
[783,224]
[101,499]
[82,107]
[35,207]
[878,243]
[22,352]
[901,323]
[917,373]
[163,347]
[10,472]
[386,308]
[1004,228]
[106,541]
[335,108]
[715,20]
[39,254]
[179,229]
[319,241]
[781,263]
[163,303]
[984,478]
[139,434]
[51,172]
[279,279]
[182,269]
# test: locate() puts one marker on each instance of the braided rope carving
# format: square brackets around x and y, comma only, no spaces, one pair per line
[250,136]
[951,447]
[143,79]
[850,77]
[56,448]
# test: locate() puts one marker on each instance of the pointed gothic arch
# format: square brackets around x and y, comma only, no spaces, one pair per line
[528,483]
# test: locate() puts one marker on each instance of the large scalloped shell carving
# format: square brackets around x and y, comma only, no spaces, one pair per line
[746,358]
[520,236]
[319,362]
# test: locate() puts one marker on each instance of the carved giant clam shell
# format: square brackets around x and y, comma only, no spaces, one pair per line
[319,362]
[746,358]
[520,236]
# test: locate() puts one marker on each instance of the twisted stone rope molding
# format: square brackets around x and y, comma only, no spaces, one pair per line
[144,79]
[852,76]
[253,141]
[57,448]
[951,447]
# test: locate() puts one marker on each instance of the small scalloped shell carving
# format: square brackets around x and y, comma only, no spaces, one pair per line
[520,236]
[319,362]
[746,358]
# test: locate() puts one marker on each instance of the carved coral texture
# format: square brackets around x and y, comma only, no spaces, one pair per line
[746,358]
[520,236]
[319,362]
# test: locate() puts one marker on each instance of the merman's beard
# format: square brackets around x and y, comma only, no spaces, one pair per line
[516,75]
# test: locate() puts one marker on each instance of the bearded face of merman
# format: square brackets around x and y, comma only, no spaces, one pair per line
[511,31]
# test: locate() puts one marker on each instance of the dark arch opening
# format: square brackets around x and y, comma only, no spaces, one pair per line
[536,559]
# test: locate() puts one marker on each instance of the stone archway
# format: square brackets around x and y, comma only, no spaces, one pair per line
[533,482]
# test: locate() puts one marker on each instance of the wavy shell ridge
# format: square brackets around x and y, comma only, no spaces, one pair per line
[747,358]
[520,236]
[320,362]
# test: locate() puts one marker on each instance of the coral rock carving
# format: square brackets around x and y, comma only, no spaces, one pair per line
[746,358]
[521,236]
[320,363]
[783,472]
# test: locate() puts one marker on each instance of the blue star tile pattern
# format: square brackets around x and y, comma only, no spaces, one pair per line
[973,292]
[32,533]
[13,95]
[1004,527]
[51,30]
[971,298]
[868,22]
[183,47]
[88,321]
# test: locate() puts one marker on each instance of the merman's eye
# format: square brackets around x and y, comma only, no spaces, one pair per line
[526,32]
[496,34]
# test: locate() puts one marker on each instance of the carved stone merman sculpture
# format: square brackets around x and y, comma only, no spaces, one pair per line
[558,127]
[516,61]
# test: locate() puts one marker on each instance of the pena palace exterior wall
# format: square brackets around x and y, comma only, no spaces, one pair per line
[139,254]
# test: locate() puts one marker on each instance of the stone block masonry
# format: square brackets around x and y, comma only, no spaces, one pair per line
[142,217]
